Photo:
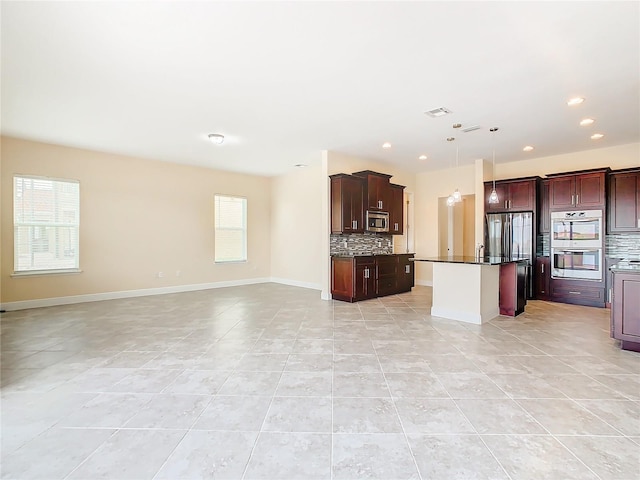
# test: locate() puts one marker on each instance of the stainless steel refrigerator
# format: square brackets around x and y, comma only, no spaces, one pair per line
[510,235]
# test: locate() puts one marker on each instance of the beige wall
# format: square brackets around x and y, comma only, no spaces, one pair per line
[431,185]
[296,227]
[138,217]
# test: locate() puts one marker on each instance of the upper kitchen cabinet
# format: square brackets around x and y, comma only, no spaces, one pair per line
[377,190]
[544,216]
[347,204]
[570,191]
[396,210]
[623,214]
[518,195]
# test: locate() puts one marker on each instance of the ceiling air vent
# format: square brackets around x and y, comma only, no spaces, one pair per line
[471,128]
[438,112]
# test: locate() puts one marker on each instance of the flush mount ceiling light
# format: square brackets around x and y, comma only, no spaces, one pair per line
[422,157]
[386,145]
[597,136]
[528,148]
[575,101]
[586,121]
[438,112]
[216,138]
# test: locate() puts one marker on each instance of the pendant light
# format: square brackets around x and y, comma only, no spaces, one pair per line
[493,197]
[457,197]
[451,198]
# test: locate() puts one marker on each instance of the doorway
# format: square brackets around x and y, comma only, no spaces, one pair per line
[456,227]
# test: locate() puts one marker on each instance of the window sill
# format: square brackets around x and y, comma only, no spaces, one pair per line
[226,262]
[37,273]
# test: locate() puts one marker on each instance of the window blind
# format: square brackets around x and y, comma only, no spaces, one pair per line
[46,221]
[230,229]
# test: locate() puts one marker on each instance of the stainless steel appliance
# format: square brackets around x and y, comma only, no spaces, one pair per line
[377,222]
[577,245]
[576,229]
[510,235]
[583,264]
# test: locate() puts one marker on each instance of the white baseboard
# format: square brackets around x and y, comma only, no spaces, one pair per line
[295,283]
[424,283]
[97,297]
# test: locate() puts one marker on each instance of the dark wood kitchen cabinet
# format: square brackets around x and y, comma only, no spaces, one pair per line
[623,215]
[544,215]
[578,292]
[406,273]
[517,195]
[570,191]
[353,278]
[625,309]
[386,275]
[360,278]
[542,278]
[396,210]
[377,190]
[347,204]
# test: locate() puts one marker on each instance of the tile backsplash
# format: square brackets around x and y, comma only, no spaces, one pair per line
[623,245]
[360,244]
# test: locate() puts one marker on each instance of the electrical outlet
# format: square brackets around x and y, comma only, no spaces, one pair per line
[178,273]
[160,275]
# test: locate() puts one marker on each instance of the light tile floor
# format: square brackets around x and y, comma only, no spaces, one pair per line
[270,382]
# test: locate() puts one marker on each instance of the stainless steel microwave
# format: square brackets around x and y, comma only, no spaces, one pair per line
[377,221]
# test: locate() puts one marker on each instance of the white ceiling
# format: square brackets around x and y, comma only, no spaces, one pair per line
[284,81]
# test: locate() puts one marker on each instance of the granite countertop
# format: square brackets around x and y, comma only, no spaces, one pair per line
[632,266]
[469,260]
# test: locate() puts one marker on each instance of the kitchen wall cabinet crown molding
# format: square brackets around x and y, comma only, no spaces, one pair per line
[623,201]
[578,190]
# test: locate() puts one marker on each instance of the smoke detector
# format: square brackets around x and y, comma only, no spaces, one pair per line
[438,112]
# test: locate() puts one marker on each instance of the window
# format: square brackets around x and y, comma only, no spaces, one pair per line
[230,229]
[46,220]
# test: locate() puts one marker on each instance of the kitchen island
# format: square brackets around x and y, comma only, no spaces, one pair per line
[477,289]
[625,308]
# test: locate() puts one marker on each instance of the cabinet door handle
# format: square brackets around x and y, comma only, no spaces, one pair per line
[572,199]
[542,267]
[407,269]
[639,223]
[577,199]
[575,293]
[505,204]
[396,227]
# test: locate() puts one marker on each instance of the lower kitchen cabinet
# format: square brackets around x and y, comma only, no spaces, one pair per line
[578,292]
[542,278]
[625,308]
[353,278]
[406,275]
[513,288]
[361,278]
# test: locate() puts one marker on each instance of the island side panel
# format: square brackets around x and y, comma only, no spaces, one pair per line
[465,292]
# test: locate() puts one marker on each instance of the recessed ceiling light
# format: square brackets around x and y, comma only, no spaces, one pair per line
[300,165]
[386,145]
[216,138]
[597,136]
[528,148]
[586,121]
[575,101]
[422,157]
